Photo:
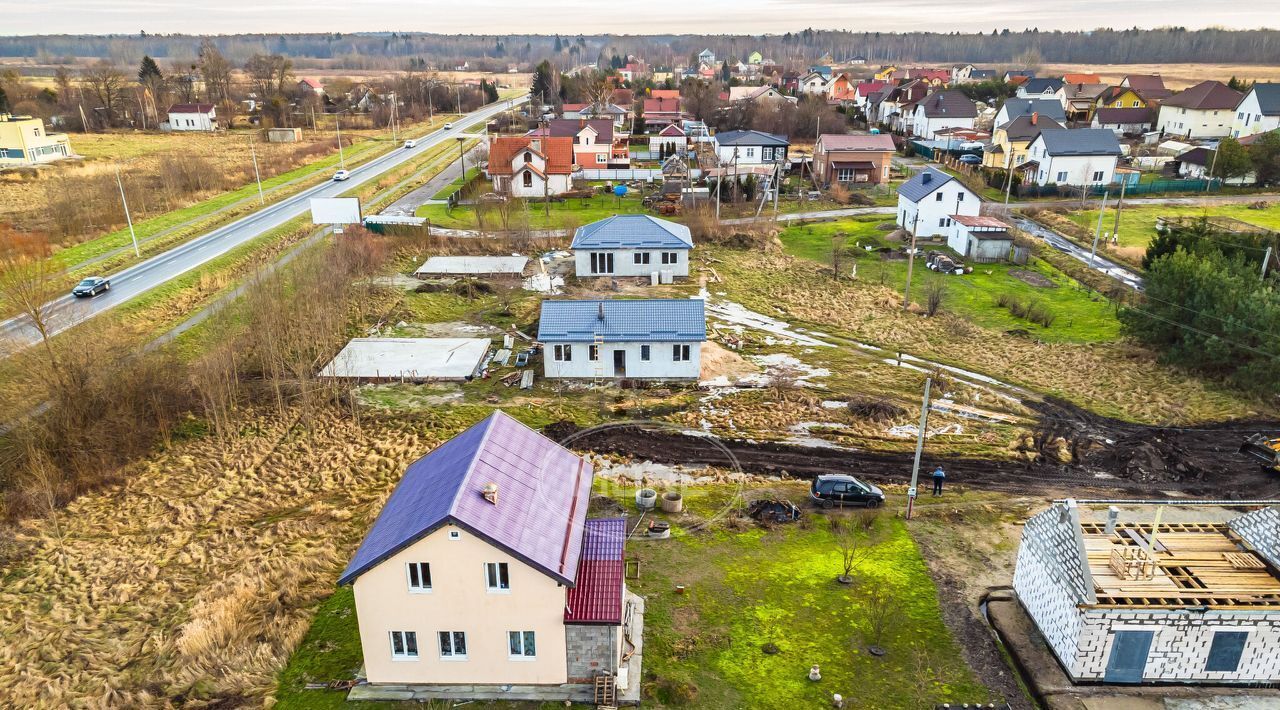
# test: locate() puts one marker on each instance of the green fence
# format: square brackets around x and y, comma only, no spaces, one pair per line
[1157,187]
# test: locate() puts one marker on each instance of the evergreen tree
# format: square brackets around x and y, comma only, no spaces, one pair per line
[4,102]
[559,47]
[149,72]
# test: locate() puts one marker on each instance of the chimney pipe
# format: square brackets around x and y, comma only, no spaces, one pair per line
[1034,116]
[490,493]
[1113,516]
[926,177]
[600,313]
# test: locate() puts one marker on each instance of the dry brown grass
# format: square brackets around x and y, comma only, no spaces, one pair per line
[1176,76]
[198,577]
[1114,378]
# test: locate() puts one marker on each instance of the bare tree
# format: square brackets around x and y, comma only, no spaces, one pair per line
[270,74]
[935,291]
[855,537]
[107,85]
[837,253]
[881,610]
[26,283]
[216,71]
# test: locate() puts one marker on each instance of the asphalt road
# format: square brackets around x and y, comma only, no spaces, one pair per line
[67,311]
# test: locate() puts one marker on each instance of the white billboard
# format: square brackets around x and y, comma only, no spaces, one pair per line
[335,210]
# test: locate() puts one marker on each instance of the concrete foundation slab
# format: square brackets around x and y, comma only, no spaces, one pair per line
[409,359]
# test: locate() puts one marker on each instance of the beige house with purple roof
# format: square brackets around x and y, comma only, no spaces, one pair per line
[482,572]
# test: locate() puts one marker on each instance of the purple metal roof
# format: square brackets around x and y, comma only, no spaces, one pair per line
[597,598]
[543,490]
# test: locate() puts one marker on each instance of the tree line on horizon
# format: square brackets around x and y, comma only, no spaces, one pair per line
[495,52]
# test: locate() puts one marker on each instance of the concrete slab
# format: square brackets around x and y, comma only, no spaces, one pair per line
[438,266]
[409,359]
[634,632]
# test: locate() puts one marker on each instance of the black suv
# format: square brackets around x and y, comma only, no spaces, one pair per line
[835,490]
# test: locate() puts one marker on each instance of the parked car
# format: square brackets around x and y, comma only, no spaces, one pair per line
[411,143]
[832,490]
[447,126]
[91,287]
[971,159]
[341,175]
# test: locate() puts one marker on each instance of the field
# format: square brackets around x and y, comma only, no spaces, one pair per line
[1082,363]
[569,214]
[1138,223]
[1176,76]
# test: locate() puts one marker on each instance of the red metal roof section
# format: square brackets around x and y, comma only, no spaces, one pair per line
[596,597]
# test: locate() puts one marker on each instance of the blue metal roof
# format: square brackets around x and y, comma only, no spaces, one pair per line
[623,321]
[632,231]
[541,507]
[923,183]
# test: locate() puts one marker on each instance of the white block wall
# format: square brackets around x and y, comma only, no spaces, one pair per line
[1180,646]
[660,366]
[1050,582]
[624,262]
[1261,529]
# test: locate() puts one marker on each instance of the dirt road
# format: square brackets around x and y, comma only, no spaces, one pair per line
[1105,455]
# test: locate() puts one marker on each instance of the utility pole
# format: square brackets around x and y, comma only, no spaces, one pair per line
[1008,178]
[1098,232]
[813,159]
[1115,229]
[393,117]
[1266,259]
[911,260]
[546,179]
[256,175]
[123,201]
[337,122]
[915,466]
[1213,165]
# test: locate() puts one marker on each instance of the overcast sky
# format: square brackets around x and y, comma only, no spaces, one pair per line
[583,16]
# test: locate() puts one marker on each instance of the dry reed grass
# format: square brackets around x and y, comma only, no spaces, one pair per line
[197,578]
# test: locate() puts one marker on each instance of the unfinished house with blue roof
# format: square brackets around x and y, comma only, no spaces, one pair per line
[648,339]
[483,578]
[632,245]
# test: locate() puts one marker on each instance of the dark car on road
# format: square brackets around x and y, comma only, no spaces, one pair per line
[971,159]
[836,490]
[90,287]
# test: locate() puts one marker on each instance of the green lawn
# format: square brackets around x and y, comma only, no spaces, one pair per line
[1138,223]
[1081,315]
[745,587]
[570,213]
[456,185]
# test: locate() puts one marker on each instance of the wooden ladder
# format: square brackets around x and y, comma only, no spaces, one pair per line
[606,696]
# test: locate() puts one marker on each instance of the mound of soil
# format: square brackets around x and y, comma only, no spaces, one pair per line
[1033,278]
[717,361]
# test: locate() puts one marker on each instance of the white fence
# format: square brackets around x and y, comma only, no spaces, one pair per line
[647,175]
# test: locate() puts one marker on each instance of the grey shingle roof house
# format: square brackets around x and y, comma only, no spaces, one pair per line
[1041,86]
[1268,98]
[1026,126]
[1207,95]
[632,231]
[923,183]
[623,321]
[1015,107]
[751,138]
[1081,141]
[948,104]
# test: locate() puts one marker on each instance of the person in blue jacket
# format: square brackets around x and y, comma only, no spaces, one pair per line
[938,477]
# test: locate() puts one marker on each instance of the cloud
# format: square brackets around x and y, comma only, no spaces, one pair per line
[581,16]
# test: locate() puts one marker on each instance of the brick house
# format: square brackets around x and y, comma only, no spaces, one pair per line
[853,160]
[1138,601]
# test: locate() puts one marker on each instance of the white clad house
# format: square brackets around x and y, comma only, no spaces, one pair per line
[1079,157]
[193,117]
[1205,110]
[1014,107]
[941,110]
[632,245]
[1258,112]
[982,239]
[929,202]
[1121,598]
[650,339]
[751,148]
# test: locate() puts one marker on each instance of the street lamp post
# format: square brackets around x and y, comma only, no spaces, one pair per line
[129,219]
[256,175]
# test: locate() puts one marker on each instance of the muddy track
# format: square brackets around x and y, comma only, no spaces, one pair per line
[1108,455]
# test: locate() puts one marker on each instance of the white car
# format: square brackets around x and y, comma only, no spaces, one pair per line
[341,175]
[447,126]
[411,143]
